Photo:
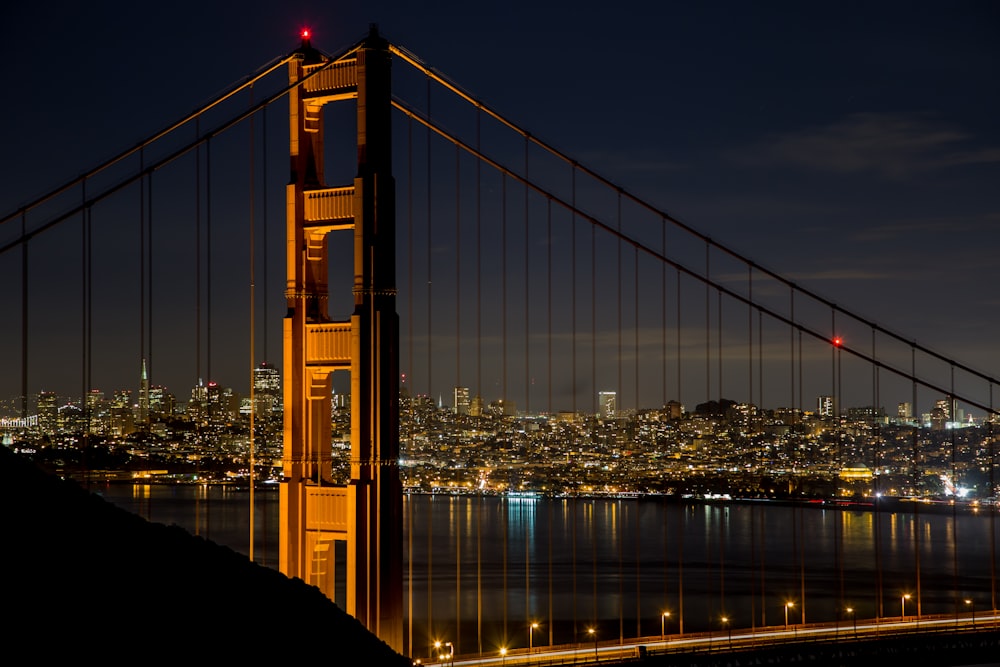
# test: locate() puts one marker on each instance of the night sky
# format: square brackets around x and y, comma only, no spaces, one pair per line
[852,147]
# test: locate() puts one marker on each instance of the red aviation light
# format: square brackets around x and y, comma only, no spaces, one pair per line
[838,341]
[305,33]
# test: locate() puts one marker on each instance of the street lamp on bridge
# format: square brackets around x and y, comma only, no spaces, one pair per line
[902,606]
[663,624]
[725,624]
[854,617]
[450,655]
[531,628]
[503,655]
[787,605]
[972,604]
[593,635]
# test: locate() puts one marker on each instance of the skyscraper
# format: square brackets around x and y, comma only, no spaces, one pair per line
[825,406]
[48,412]
[461,400]
[142,414]
[607,402]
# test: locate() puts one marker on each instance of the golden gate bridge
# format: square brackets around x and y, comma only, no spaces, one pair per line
[531,290]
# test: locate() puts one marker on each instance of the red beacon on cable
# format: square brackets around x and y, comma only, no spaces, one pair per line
[838,341]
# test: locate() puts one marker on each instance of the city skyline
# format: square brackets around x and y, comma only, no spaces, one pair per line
[268,380]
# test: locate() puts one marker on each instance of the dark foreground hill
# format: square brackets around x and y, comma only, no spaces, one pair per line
[84,579]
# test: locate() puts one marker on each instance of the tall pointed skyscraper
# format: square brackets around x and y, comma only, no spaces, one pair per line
[142,418]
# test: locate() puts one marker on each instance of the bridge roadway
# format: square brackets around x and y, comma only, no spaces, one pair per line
[724,641]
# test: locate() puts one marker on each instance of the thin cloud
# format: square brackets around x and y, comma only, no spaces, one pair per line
[911,228]
[892,145]
[843,274]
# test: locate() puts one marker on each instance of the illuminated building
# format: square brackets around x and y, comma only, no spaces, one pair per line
[607,402]
[142,415]
[461,400]
[48,412]
[825,406]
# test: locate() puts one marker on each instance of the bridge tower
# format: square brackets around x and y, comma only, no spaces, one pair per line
[367,512]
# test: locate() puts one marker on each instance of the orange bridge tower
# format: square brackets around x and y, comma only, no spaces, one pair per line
[367,512]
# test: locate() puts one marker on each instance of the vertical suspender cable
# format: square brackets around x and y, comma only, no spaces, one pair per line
[572,228]
[524,518]
[551,613]
[503,294]
[409,571]
[479,265]
[876,514]
[666,555]
[504,512]
[264,280]
[409,344]
[620,524]
[430,567]
[430,191]
[197,296]
[253,325]
[802,566]
[663,307]
[718,340]
[527,283]
[916,478]
[479,573]
[458,378]
[791,374]
[409,256]
[593,318]
[763,571]
[593,556]
[753,569]
[197,254]
[149,287]
[24,316]
[503,289]
[723,515]
[837,412]
[760,398]
[573,318]
[993,506]
[681,509]
[264,253]
[681,520]
[479,370]
[458,578]
[677,323]
[548,381]
[208,258]
[458,273]
[635,362]
[952,415]
[548,309]
[750,402]
[142,256]
[573,521]
[708,326]
[430,394]
[620,388]
[760,363]
[85,324]
[663,381]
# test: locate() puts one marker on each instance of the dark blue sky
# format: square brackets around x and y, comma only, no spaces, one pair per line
[850,146]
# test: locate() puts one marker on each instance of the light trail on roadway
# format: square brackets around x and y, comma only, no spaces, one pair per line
[740,639]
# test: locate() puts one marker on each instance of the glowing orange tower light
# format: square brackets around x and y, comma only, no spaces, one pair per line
[367,512]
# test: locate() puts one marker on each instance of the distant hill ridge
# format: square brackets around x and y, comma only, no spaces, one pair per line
[85,578]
